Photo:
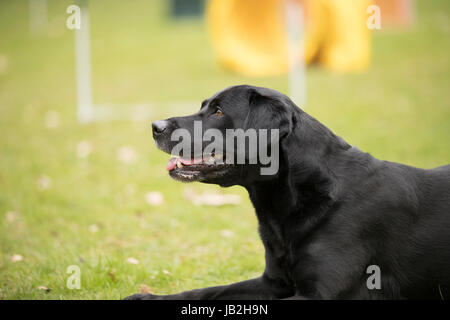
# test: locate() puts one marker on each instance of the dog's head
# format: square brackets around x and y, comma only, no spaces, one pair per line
[235,138]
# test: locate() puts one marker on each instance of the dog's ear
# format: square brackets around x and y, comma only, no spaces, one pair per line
[271,115]
[269,109]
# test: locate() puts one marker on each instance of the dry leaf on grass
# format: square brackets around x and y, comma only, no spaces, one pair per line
[93,228]
[132,260]
[11,216]
[16,258]
[144,289]
[154,198]
[84,149]
[44,288]
[211,199]
[112,275]
[44,182]
[52,119]
[226,233]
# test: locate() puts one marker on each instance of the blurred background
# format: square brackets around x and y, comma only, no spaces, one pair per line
[81,182]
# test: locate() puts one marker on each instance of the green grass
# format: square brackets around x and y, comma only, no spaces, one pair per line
[399,110]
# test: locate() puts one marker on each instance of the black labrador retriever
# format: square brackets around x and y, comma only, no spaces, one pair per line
[336,223]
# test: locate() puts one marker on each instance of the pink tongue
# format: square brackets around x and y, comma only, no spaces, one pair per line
[173,162]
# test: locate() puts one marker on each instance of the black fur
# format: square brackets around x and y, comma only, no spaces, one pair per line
[331,211]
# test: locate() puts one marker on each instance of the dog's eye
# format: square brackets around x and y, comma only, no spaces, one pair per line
[219,112]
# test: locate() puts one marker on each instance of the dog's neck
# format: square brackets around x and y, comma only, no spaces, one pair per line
[304,185]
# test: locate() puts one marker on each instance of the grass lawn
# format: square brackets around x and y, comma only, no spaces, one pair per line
[58,210]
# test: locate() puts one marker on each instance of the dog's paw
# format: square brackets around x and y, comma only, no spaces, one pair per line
[143,296]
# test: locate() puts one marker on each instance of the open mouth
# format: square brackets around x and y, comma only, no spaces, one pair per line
[195,168]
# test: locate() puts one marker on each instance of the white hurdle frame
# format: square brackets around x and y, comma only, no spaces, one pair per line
[87,111]
[85,107]
[296,51]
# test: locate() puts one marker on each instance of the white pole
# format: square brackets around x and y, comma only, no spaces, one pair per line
[83,66]
[296,51]
[38,16]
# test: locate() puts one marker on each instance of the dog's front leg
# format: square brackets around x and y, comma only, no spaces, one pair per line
[258,288]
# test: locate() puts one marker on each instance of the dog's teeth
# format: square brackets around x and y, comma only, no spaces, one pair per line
[179,164]
[218,156]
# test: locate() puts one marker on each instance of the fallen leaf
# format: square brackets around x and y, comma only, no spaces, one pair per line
[52,119]
[226,233]
[44,182]
[132,260]
[84,149]
[211,199]
[112,275]
[16,258]
[143,288]
[93,228]
[154,198]
[44,288]
[11,216]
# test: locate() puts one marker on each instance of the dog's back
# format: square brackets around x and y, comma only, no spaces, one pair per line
[426,255]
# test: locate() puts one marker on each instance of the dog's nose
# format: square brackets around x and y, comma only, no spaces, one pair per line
[159,126]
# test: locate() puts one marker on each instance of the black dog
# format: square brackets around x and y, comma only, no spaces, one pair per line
[329,212]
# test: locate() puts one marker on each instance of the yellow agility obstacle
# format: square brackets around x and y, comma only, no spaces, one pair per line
[250,36]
